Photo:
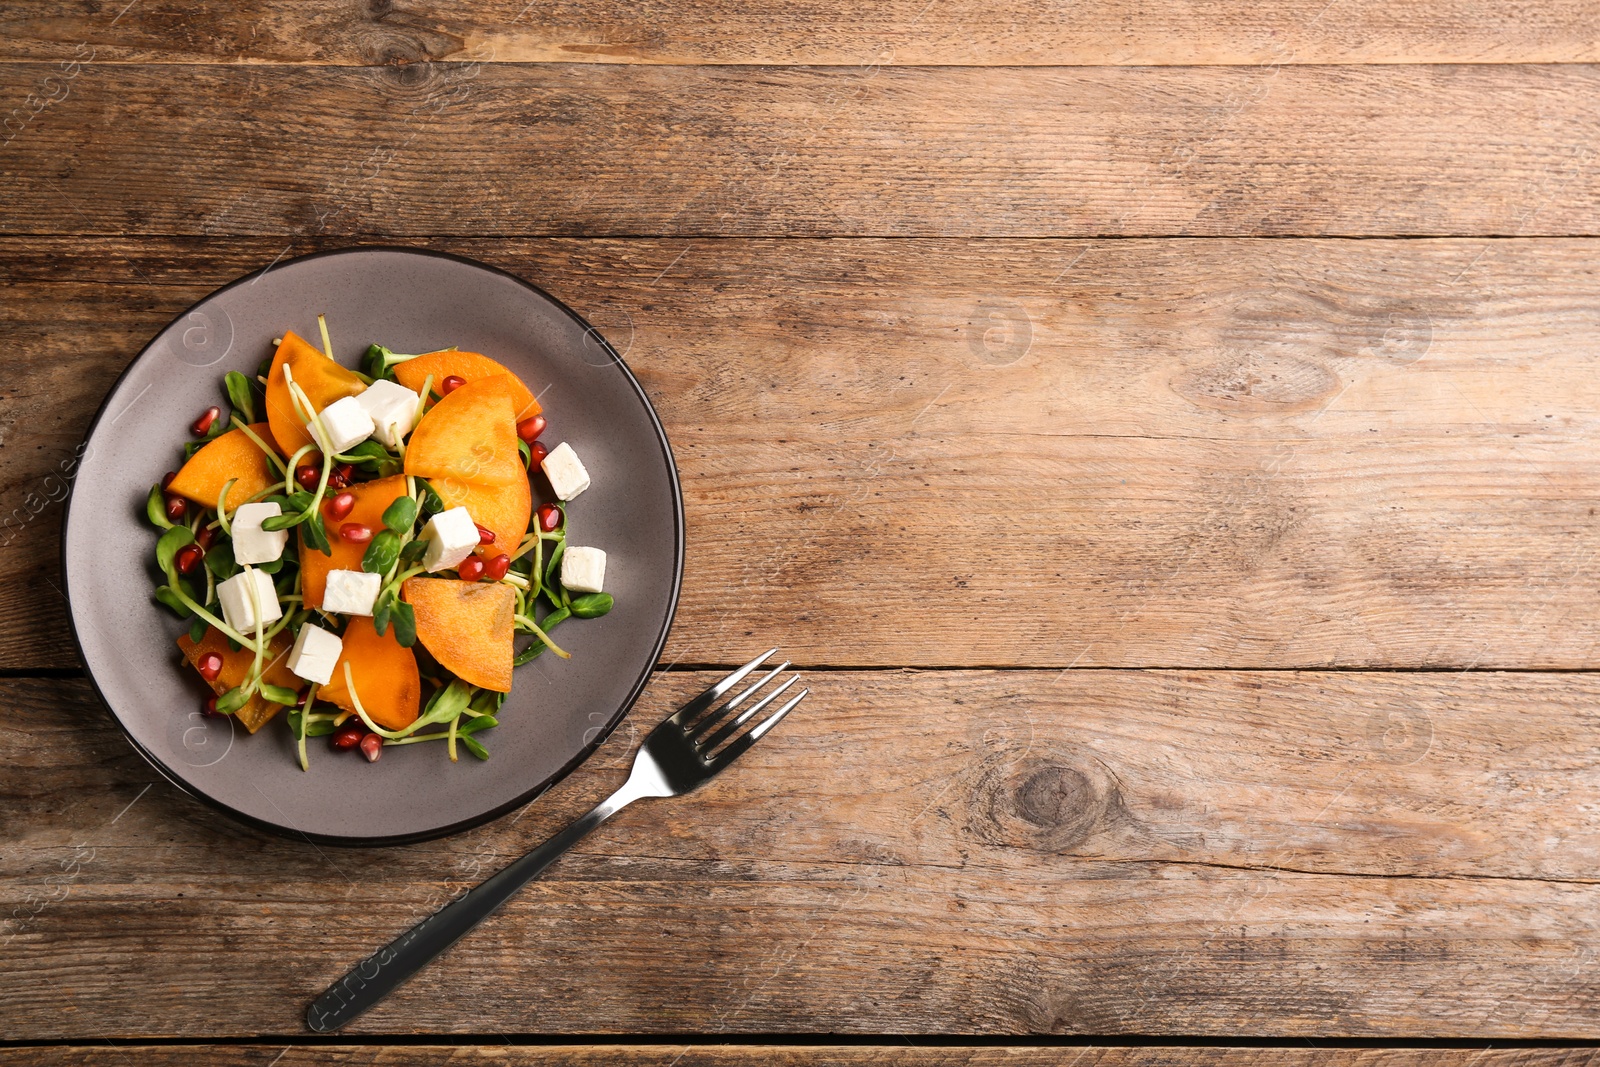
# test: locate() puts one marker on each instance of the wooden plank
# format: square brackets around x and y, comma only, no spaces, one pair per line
[1248,454]
[705,1055]
[1319,855]
[506,150]
[904,32]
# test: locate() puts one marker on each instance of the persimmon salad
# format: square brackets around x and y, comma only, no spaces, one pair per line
[368,554]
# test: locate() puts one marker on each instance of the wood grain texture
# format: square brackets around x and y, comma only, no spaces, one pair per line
[964,32]
[507,150]
[698,1055]
[1204,853]
[1012,453]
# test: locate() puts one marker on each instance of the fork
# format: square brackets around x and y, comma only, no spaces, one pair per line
[679,755]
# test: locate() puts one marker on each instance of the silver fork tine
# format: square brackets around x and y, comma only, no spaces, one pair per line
[728,731]
[710,696]
[712,718]
[735,750]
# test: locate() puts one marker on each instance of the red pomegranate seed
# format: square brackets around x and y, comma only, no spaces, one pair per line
[347,736]
[530,429]
[176,506]
[166,479]
[536,454]
[209,708]
[372,747]
[187,557]
[308,477]
[451,383]
[206,537]
[357,533]
[209,665]
[340,505]
[549,518]
[202,425]
[342,476]
[496,568]
[470,569]
[485,535]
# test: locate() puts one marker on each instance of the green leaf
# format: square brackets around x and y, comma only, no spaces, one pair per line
[525,452]
[155,508]
[233,700]
[382,552]
[170,599]
[472,745]
[405,624]
[301,500]
[487,702]
[372,361]
[381,611]
[197,629]
[238,387]
[554,619]
[401,515]
[388,468]
[283,522]
[315,536]
[368,449]
[413,551]
[191,447]
[167,547]
[271,566]
[279,694]
[555,561]
[482,722]
[528,654]
[431,501]
[219,560]
[591,605]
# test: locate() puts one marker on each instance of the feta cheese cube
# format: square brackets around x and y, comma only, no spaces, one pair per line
[252,544]
[239,610]
[351,592]
[583,570]
[451,537]
[392,408]
[347,423]
[314,654]
[565,471]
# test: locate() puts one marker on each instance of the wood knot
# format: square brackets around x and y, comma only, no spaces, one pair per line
[1052,804]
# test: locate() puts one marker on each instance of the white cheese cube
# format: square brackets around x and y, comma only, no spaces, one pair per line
[583,570]
[351,592]
[451,537]
[392,408]
[314,654]
[252,544]
[565,471]
[238,610]
[346,422]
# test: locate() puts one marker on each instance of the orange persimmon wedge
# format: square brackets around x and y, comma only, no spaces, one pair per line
[236,664]
[469,436]
[231,456]
[372,500]
[385,674]
[323,380]
[502,509]
[469,367]
[467,626]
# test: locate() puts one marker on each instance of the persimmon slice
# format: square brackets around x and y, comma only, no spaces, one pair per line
[372,500]
[237,663]
[469,367]
[232,455]
[385,673]
[469,436]
[323,380]
[467,626]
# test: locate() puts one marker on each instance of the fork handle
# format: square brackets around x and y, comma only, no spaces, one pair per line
[380,973]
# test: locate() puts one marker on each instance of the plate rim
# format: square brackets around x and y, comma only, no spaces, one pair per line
[679,536]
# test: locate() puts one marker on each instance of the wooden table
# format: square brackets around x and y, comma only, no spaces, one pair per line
[1164,432]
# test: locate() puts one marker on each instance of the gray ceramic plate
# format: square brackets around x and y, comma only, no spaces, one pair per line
[559,710]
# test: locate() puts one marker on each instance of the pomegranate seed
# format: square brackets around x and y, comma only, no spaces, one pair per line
[536,454]
[202,425]
[166,479]
[530,429]
[308,477]
[209,708]
[209,665]
[342,476]
[357,533]
[470,569]
[206,537]
[372,747]
[347,736]
[485,535]
[339,506]
[187,557]
[451,383]
[549,518]
[176,506]
[496,568]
